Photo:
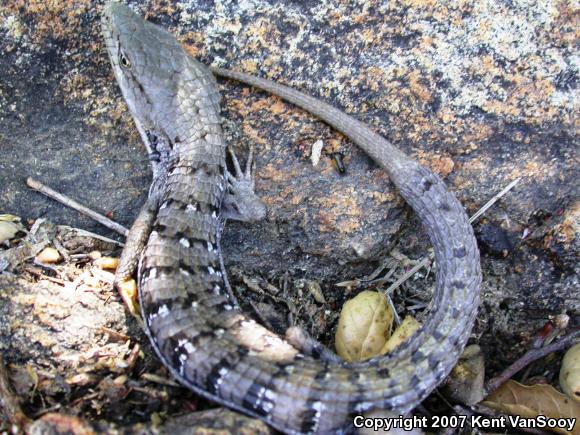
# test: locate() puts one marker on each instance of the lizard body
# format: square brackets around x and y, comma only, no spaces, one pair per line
[187,311]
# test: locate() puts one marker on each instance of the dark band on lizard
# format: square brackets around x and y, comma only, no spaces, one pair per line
[188,313]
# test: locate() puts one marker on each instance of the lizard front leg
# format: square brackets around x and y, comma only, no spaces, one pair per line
[134,245]
[240,203]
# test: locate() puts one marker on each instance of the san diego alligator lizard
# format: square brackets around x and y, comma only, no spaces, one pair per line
[187,311]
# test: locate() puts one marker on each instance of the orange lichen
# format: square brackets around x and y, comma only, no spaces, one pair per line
[255,135]
[418,3]
[193,43]
[277,174]
[249,66]
[381,196]
[341,211]
[53,18]
[441,165]
[160,7]
[418,88]
[262,33]
[476,166]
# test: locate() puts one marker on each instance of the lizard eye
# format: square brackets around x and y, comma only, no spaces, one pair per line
[124,61]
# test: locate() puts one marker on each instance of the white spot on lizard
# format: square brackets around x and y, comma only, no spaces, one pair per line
[189,348]
[163,310]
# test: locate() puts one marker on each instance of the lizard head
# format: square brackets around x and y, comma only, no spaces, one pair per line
[123,31]
[152,69]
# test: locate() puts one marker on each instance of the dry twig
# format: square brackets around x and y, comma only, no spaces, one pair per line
[532,355]
[63,199]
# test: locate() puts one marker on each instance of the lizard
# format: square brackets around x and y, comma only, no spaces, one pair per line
[189,315]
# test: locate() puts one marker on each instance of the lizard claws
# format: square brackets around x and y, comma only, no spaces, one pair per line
[241,202]
[244,177]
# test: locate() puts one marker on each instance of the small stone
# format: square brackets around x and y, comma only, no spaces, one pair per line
[107,263]
[48,255]
[94,255]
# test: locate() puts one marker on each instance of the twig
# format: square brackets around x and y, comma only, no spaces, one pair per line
[529,357]
[425,261]
[493,200]
[123,231]
[35,226]
[150,377]
[114,336]
[85,398]
[44,411]
[63,252]
[85,233]
[396,317]
[161,395]
[380,281]
[133,357]
[387,262]
[260,316]
[41,275]
[546,335]
[37,185]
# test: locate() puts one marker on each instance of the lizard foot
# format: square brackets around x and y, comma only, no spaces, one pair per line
[128,290]
[241,202]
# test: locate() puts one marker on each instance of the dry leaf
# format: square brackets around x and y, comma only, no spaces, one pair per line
[407,327]
[541,400]
[8,230]
[570,373]
[315,291]
[465,382]
[363,327]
